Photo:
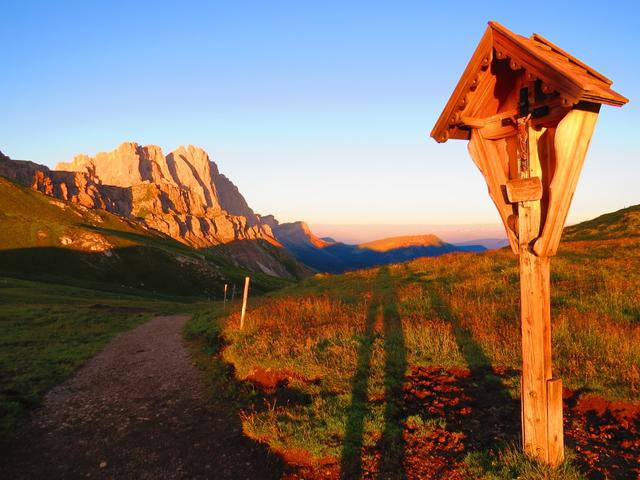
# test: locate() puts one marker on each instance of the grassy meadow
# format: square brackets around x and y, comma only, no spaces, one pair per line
[346,345]
[47,331]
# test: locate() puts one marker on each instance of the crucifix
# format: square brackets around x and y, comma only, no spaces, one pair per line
[528,110]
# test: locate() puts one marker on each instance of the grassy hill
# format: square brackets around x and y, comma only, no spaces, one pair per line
[380,368]
[46,239]
[623,223]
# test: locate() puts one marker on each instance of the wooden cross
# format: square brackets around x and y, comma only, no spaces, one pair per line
[528,110]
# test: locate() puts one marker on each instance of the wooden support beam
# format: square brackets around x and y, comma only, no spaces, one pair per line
[571,142]
[536,353]
[541,433]
[492,159]
[550,111]
[554,422]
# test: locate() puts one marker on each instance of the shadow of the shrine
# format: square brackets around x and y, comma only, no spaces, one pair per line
[472,407]
[472,404]
[383,309]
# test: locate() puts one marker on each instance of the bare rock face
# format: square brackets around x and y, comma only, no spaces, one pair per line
[182,195]
[175,194]
[230,197]
[297,233]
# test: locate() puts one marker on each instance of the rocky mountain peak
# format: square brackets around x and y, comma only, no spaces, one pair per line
[297,232]
[180,194]
[186,169]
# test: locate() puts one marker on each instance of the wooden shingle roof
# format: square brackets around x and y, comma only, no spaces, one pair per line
[539,59]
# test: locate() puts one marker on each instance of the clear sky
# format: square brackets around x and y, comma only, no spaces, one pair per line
[317,110]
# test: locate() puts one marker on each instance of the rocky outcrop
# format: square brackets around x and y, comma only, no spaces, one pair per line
[297,233]
[182,195]
[175,194]
[230,198]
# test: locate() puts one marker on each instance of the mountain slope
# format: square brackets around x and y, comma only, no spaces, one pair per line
[180,194]
[49,239]
[622,223]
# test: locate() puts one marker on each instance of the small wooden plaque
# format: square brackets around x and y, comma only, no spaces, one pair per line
[524,189]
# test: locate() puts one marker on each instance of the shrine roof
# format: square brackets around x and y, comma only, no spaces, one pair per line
[542,60]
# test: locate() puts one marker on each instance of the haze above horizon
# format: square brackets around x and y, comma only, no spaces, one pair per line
[317,112]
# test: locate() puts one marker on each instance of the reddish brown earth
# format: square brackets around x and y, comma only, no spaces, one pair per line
[605,435]
[480,415]
[138,410]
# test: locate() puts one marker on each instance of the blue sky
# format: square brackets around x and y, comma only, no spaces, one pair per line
[317,110]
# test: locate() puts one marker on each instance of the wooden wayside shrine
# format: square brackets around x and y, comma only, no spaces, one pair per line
[528,110]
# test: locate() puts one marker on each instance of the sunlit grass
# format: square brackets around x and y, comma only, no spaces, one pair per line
[333,333]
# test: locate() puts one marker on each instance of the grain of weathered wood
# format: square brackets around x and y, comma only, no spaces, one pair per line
[524,189]
[554,421]
[534,287]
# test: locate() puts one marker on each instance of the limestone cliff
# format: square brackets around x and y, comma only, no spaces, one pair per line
[230,198]
[182,195]
[174,194]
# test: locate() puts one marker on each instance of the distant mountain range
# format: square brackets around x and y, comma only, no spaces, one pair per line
[184,196]
[487,243]
[328,255]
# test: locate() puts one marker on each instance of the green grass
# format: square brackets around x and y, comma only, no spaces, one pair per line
[359,332]
[623,223]
[47,331]
[510,463]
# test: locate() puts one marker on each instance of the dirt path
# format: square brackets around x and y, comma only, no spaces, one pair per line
[138,410]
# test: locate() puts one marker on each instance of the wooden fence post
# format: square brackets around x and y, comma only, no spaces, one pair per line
[244,301]
[224,304]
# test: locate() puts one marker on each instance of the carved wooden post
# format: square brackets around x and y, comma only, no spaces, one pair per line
[529,109]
